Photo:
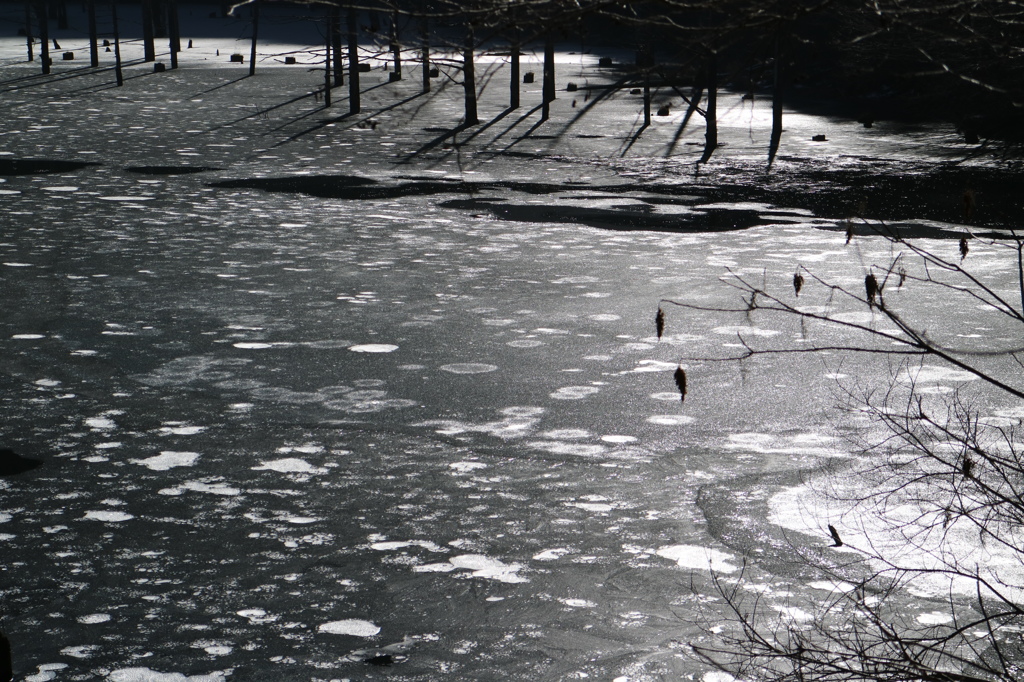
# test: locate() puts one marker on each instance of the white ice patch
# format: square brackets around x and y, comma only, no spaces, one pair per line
[742,330]
[605,317]
[393,545]
[596,507]
[469,368]
[652,366]
[551,554]
[373,348]
[578,603]
[466,467]
[861,318]
[611,438]
[670,419]
[934,618]
[5,517]
[82,651]
[577,449]
[352,626]
[479,566]
[262,345]
[169,459]
[147,675]
[794,613]
[94,618]
[832,585]
[697,556]
[895,539]
[201,487]
[522,411]
[717,676]
[257,616]
[768,443]
[100,423]
[525,343]
[108,516]
[567,434]
[933,374]
[574,392]
[182,430]
[27,336]
[46,672]
[289,465]
[218,650]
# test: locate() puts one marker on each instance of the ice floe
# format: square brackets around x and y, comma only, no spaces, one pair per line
[149,675]
[169,459]
[373,348]
[108,516]
[480,566]
[469,368]
[574,392]
[351,626]
[94,618]
[699,557]
[289,465]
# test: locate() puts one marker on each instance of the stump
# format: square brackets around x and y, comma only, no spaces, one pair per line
[237,58]
[571,87]
[159,67]
[289,60]
[604,61]
[68,56]
[528,77]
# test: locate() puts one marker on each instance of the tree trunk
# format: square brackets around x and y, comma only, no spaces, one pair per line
[647,98]
[28,30]
[425,57]
[396,47]
[159,18]
[44,35]
[148,46]
[354,106]
[339,64]
[255,35]
[548,95]
[777,94]
[175,31]
[645,62]
[513,83]
[711,116]
[327,64]
[117,44]
[469,78]
[94,48]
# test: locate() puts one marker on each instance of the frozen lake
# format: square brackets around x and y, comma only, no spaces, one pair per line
[311,389]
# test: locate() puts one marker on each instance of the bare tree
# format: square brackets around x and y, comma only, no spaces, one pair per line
[937,478]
